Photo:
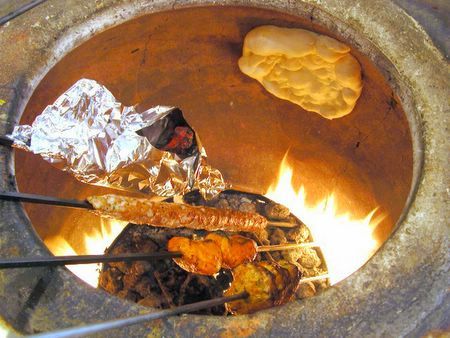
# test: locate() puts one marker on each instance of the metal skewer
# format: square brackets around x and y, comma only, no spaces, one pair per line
[28,262]
[119,323]
[20,11]
[5,141]
[41,199]
[287,246]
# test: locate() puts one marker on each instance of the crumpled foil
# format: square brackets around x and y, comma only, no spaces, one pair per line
[88,133]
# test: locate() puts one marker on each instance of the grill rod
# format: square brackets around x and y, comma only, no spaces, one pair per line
[19,11]
[6,141]
[41,199]
[29,262]
[84,330]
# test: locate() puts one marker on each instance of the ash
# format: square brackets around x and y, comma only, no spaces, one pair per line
[163,284]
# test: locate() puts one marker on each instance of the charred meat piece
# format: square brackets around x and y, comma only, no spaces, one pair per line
[277,212]
[199,256]
[260,285]
[295,276]
[235,250]
[166,284]
[267,283]
[171,215]
[111,280]
[306,290]
[298,234]
[282,280]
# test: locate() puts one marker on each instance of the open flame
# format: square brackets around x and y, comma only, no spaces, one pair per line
[95,243]
[347,243]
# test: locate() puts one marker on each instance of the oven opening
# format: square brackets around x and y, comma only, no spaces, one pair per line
[344,182]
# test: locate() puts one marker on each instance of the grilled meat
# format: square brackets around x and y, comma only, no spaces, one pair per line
[207,256]
[199,256]
[171,215]
[267,283]
[236,250]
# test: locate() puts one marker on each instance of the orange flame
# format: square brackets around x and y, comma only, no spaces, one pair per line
[95,244]
[346,243]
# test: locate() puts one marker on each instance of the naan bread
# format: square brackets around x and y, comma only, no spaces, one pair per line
[311,70]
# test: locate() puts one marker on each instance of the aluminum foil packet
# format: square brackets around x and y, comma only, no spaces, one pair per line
[88,133]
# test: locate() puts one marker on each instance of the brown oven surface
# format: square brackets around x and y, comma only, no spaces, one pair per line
[188,58]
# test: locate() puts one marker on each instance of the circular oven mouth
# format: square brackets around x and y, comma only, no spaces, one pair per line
[391,99]
[350,177]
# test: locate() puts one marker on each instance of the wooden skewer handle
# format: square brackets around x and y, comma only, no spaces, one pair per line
[40,199]
[282,224]
[287,246]
[315,278]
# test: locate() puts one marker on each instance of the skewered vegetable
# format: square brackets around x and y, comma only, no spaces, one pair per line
[268,284]
[171,215]
[258,282]
[282,280]
[294,275]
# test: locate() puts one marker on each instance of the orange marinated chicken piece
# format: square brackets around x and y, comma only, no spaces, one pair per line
[199,256]
[242,250]
[260,285]
[223,242]
[235,250]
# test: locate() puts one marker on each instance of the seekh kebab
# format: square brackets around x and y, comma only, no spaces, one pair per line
[172,215]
